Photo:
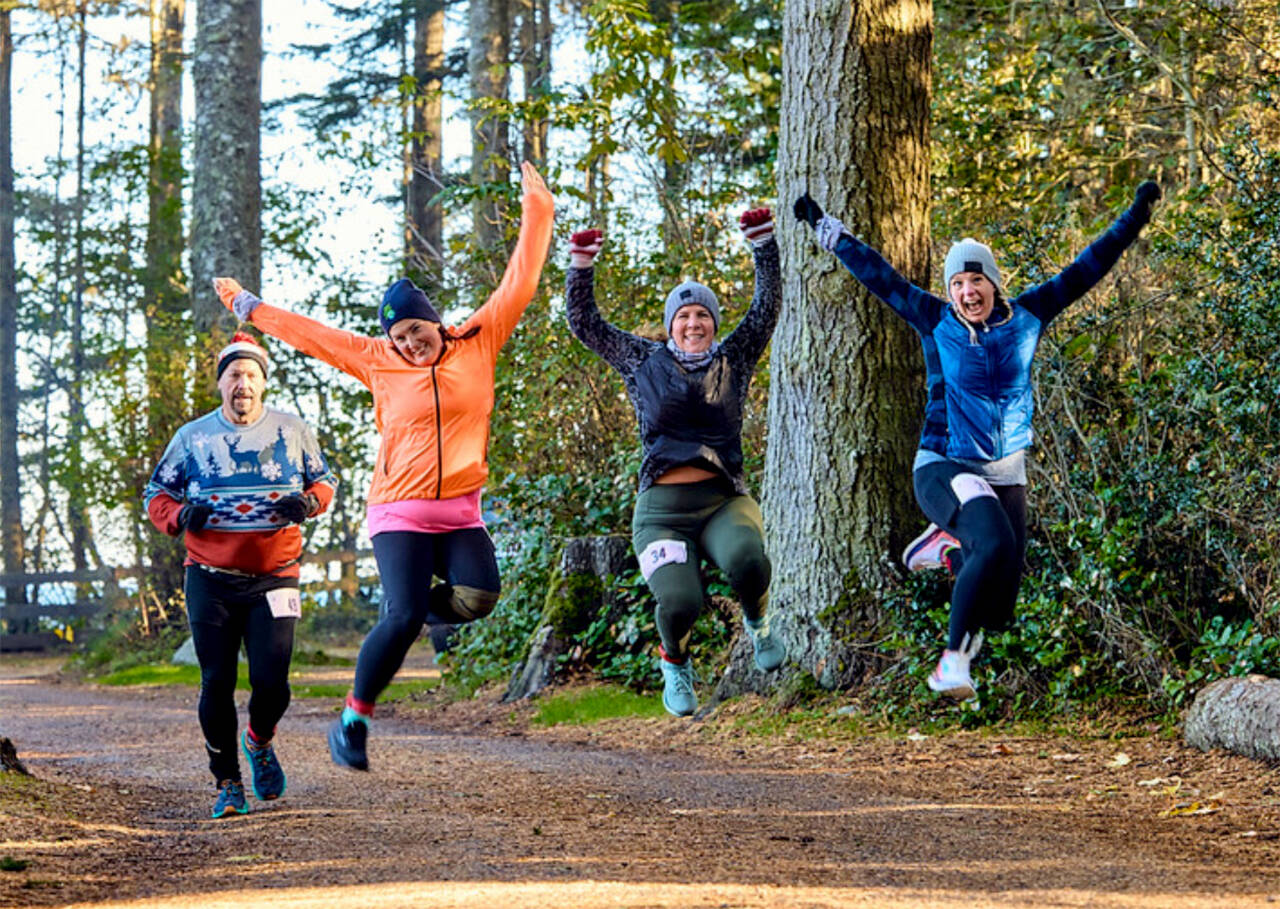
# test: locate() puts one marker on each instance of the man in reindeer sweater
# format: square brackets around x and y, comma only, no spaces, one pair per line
[238,482]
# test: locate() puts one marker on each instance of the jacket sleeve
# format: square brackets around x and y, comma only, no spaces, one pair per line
[345,350]
[498,317]
[1046,301]
[620,349]
[919,307]
[317,478]
[747,342]
[165,493]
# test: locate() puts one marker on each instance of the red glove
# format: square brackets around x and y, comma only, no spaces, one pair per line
[757,225]
[583,247]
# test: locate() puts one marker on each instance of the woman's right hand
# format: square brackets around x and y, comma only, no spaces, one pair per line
[235,298]
[584,246]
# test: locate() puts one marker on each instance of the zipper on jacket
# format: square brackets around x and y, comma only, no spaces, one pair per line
[993,387]
[435,390]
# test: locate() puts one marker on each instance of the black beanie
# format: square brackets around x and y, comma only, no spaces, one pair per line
[404,300]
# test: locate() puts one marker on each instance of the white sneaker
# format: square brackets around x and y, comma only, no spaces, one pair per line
[951,675]
[926,551]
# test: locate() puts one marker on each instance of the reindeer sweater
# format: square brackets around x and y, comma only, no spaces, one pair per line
[240,472]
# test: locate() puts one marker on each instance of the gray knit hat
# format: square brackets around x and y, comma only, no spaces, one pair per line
[690,292]
[970,255]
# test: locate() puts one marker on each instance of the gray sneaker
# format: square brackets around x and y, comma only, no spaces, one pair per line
[768,647]
[677,687]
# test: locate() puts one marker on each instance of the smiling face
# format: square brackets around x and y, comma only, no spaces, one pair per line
[418,340]
[242,385]
[693,329]
[973,294]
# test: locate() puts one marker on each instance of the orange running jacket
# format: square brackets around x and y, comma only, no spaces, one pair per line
[433,420]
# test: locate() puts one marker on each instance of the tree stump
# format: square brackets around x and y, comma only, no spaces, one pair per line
[9,762]
[1239,714]
[579,590]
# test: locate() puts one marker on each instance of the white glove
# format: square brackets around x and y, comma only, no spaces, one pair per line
[829,231]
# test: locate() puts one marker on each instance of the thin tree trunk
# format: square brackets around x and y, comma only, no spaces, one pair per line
[487,60]
[226,191]
[165,295]
[10,488]
[535,64]
[77,513]
[846,388]
[424,222]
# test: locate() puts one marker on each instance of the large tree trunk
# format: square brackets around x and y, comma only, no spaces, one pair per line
[846,390]
[424,222]
[487,61]
[1238,714]
[10,489]
[165,296]
[226,204]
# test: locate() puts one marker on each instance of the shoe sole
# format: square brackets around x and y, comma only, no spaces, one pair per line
[667,708]
[959,692]
[230,809]
[333,753]
[284,781]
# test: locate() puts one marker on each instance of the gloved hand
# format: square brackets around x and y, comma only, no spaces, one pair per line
[1144,197]
[757,225]
[829,231]
[807,210]
[235,298]
[584,246]
[298,507]
[193,516]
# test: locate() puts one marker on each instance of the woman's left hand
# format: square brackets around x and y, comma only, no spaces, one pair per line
[757,225]
[530,180]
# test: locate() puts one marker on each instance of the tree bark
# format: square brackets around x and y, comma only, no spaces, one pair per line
[487,61]
[226,203]
[165,294]
[1239,714]
[535,64]
[77,512]
[424,222]
[10,489]
[846,388]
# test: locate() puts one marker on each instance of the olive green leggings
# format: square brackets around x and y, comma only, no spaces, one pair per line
[673,528]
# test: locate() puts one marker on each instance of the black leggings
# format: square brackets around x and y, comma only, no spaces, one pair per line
[991,524]
[407,561]
[224,610]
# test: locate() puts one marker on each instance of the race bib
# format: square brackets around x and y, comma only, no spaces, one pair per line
[662,552]
[285,603]
[968,486]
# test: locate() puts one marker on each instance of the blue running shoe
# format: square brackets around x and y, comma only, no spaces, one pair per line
[768,647]
[230,799]
[268,777]
[347,744]
[677,687]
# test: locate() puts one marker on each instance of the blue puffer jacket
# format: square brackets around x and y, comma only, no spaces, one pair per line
[986,369]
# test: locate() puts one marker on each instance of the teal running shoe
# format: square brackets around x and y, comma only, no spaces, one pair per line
[677,687]
[768,647]
[230,799]
[347,744]
[268,776]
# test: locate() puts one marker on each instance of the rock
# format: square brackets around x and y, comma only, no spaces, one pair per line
[1239,714]
[186,654]
[9,762]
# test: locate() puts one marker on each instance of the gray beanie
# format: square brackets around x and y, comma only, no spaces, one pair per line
[690,292]
[970,255]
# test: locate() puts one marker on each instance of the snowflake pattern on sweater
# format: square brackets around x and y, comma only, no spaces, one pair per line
[240,471]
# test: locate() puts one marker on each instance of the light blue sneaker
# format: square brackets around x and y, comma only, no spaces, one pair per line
[230,799]
[677,687]
[268,775]
[769,649]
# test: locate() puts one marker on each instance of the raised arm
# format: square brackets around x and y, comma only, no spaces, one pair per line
[500,313]
[620,349]
[344,350]
[919,307]
[1047,300]
[747,342]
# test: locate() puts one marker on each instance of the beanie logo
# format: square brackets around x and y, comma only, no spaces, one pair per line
[388,311]
[975,267]
[686,294]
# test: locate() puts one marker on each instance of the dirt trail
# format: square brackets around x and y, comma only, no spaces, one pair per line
[468,808]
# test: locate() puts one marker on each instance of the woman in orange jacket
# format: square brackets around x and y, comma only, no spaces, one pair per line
[432,396]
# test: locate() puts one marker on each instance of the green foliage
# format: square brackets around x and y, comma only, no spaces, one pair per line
[583,707]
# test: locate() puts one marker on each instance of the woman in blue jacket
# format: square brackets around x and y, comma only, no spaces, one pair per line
[975,490]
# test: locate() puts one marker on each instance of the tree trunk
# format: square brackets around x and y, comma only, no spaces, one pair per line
[77,512]
[846,389]
[424,222]
[487,61]
[1238,714]
[535,63]
[165,297]
[10,489]
[226,204]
